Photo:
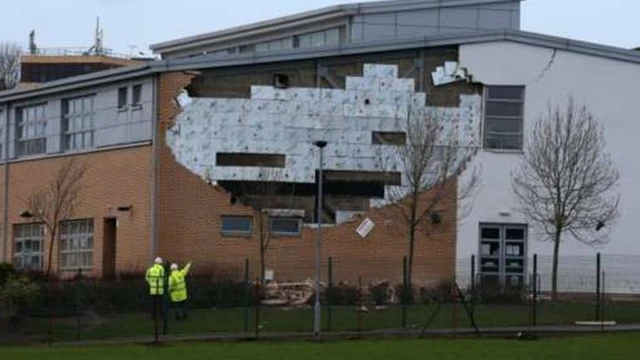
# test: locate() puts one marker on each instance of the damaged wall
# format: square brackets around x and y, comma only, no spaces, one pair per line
[288,121]
[190,209]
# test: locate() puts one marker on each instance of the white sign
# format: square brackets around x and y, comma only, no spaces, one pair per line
[365,227]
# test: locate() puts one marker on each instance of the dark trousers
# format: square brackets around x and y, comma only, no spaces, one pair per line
[156,306]
[180,310]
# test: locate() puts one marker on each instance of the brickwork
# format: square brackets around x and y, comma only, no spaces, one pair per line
[113,178]
[189,209]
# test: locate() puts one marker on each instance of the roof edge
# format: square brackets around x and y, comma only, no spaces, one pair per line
[200,62]
[99,77]
[267,25]
[315,15]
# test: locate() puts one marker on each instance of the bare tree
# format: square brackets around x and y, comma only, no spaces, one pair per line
[267,197]
[9,65]
[57,201]
[430,160]
[566,181]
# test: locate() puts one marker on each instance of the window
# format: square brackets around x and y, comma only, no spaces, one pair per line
[237,225]
[504,109]
[136,96]
[122,98]
[27,253]
[247,48]
[251,160]
[31,126]
[76,244]
[388,138]
[77,123]
[318,38]
[285,226]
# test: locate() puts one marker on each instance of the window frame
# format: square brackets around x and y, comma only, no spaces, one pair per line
[69,135]
[74,249]
[276,233]
[136,96]
[123,100]
[503,136]
[19,236]
[236,233]
[24,125]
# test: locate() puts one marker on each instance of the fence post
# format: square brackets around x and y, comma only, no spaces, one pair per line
[165,300]
[603,291]
[329,292]
[257,312]
[473,273]
[77,303]
[598,286]
[156,313]
[246,295]
[404,292]
[534,314]
[359,309]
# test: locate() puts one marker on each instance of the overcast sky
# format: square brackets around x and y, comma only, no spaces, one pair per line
[132,25]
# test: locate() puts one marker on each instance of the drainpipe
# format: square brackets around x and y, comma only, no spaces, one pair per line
[154,167]
[4,249]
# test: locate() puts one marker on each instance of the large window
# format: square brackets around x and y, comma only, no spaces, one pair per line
[504,109]
[78,116]
[318,38]
[285,226]
[237,225]
[27,251]
[31,126]
[76,244]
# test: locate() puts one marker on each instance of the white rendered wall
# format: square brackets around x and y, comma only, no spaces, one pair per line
[611,90]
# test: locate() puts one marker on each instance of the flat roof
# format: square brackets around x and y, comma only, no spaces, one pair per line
[310,17]
[211,61]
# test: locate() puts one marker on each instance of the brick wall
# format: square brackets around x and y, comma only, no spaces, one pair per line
[189,209]
[113,178]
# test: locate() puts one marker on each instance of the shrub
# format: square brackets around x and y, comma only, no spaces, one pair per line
[342,294]
[6,271]
[16,295]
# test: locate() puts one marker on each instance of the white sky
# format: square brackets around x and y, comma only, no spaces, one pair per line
[132,25]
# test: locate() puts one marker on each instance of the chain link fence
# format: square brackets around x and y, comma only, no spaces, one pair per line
[39,310]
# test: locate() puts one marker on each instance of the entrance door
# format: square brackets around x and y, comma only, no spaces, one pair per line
[109,248]
[503,255]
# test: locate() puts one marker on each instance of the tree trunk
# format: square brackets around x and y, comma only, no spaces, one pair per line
[554,269]
[412,238]
[50,255]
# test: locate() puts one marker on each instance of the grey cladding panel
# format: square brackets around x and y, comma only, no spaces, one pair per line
[379,26]
[379,32]
[458,19]
[424,18]
[492,19]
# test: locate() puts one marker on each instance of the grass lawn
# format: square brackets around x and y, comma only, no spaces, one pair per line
[343,318]
[618,346]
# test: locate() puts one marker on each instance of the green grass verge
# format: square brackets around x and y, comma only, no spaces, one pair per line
[232,320]
[619,346]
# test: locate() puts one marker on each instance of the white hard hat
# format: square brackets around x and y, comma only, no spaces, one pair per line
[158,260]
[174,266]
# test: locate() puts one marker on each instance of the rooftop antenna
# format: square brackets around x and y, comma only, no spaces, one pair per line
[98,40]
[33,48]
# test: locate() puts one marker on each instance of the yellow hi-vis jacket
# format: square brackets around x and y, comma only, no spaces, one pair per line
[155,279]
[177,285]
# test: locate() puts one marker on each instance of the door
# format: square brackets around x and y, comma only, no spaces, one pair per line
[109,248]
[503,255]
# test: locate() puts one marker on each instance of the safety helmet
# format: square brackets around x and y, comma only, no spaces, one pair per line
[158,260]
[174,266]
